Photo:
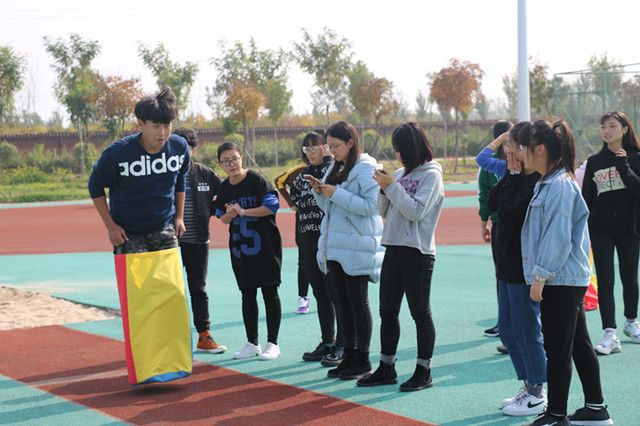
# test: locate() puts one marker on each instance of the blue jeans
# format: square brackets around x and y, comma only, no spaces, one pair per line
[521,332]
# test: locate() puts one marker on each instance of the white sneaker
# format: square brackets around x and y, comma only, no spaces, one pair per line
[303,305]
[609,344]
[632,329]
[521,393]
[248,351]
[527,405]
[271,351]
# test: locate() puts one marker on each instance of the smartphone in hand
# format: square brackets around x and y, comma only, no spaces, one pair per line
[311,179]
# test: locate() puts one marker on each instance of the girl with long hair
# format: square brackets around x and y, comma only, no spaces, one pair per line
[410,201]
[349,248]
[555,259]
[611,189]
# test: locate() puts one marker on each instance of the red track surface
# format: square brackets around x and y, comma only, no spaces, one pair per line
[77,228]
[90,370]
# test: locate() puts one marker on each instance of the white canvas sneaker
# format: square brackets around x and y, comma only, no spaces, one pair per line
[271,351]
[609,344]
[632,329]
[527,405]
[248,351]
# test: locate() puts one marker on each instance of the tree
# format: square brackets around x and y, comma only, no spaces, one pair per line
[510,89]
[421,107]
[115,100]
[249,67]
[11,80]
[605,79]
[328,60]
[179,78]
[75,85]
[454,88]
[372,97]
[482,105]
[245,100]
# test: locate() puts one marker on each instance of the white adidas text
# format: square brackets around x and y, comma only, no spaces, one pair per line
[144,166]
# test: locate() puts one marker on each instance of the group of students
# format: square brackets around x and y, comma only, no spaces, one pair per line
[544,229]
[356,223]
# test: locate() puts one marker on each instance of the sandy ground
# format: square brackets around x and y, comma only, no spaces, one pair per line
[26,309]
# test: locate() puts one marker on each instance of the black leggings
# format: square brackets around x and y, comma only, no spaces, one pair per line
[628,248]
[406,270]
[308,246]
[352,307]
[565,337]
[250,313]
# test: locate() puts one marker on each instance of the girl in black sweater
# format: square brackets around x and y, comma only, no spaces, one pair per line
[519,316]
[611,189]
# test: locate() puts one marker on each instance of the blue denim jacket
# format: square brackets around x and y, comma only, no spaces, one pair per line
[555,236]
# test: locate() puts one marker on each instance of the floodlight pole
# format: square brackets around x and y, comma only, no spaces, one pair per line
[524,107]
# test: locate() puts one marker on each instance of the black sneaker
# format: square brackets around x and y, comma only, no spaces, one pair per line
[502,349]
[587,416]
[492,332]
[334,358]
[546,419]
[421,379]
[358,367]
[385,374]
[344,363]
[320,351]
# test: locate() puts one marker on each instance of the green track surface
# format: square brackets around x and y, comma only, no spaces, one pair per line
[22,404]
[470,377]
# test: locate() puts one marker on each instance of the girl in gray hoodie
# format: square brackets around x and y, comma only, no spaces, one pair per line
[411,202]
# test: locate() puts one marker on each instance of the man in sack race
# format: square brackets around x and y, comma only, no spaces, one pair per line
[145,173]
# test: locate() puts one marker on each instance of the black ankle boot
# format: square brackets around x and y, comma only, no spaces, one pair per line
[346,360]
[421,379]
[385,374]
[358,367]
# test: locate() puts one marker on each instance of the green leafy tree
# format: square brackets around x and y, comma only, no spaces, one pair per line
[481,105]
[328,59]
[604,79]
[242,67]
[179,78]
[510,89]
[76,81]
[421,107]
[11,80]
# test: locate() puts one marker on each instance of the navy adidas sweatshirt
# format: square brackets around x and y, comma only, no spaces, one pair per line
[142,186]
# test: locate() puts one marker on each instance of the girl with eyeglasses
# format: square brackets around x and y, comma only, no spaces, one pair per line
[248,203]
[349,248]
[555,260]
[411,202]
[315,153]
[611,188]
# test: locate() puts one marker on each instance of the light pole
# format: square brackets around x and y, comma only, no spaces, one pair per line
[524,106]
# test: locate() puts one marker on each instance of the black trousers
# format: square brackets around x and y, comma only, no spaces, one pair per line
[308,246]
[628,248]
[406,271]
[352,306]
[566,337]
[250,313]
[303,280]
[195,258]
[494,253]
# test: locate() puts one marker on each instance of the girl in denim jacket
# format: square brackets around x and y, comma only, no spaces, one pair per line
[555,259]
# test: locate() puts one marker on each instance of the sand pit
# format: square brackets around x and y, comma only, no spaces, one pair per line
[26,309]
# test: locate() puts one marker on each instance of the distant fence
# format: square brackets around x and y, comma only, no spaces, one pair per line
[61,141]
